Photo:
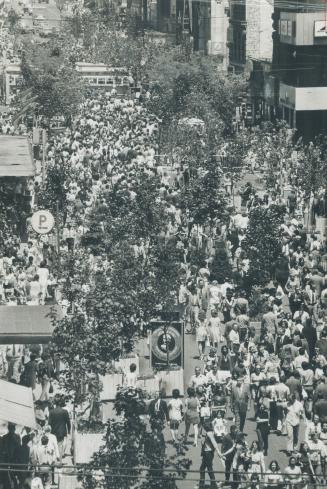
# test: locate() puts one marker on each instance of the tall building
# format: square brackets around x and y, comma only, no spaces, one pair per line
[249,33]
[300,63]
[205,21]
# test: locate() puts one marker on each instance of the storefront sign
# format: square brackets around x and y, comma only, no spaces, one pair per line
[42,222]
[320,28]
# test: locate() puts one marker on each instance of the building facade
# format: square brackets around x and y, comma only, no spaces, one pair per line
[249,33]
[300,45]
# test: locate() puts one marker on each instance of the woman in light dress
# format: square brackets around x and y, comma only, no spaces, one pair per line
[35,291]
[214,329]
[43,273]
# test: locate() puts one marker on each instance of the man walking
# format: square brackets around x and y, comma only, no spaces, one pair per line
[209,446]
[60,425]
[240,397]
[158,409]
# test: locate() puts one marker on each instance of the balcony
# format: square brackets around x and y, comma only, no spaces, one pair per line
[303,98]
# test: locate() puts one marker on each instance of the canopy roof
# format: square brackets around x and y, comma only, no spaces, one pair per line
[16,404]
[27,324]
[15,157]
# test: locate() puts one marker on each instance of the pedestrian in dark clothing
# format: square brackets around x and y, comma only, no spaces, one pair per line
[321,344]
[228,450]
[28,377]
[310,334]
[262,419]
[158,409]
[60,425]
[320,408]
[10,447]
[209,446]
[24,459]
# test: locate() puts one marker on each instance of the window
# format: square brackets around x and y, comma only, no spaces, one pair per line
[110,81]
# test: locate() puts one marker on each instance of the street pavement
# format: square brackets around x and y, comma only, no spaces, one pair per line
[277,444]
[49,12]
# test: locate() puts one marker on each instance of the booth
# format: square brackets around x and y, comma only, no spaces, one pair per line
[16,158]
[16,404]
[28,324]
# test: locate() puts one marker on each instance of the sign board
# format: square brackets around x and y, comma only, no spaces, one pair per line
[283,27]
[167,344]
[42,222]
[320,28]
[289,28]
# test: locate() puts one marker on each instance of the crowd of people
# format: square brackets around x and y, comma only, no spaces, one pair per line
[32,455]
[274,368]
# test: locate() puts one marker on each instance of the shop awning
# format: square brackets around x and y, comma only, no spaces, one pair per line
[16,404]
[15,157]
[27,324]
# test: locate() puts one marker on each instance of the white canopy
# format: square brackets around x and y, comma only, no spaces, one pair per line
[16,404]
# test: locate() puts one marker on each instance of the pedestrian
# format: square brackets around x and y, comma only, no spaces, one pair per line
[214,329]
[228,445]
[294,414]
[192,417]
[273,477]
[240,396]
[175,408]
[60,425]
[201,334]
[263,428]
[158,409]
[209,446]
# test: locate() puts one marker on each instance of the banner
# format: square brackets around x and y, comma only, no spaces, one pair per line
[167,344]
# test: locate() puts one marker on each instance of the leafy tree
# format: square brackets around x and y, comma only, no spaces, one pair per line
[128,212]
[191,86]
[12,19]
[50,87]
[310,169]
[221,269]
[204,197]
[111,300]
[263,244]
[53,194]
[134,455]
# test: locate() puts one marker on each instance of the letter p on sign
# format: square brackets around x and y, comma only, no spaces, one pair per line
[42,222]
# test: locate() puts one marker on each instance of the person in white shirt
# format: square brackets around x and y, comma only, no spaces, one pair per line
[293,417]
[197,379]
[234,337]
[130,379]
[43,273]
[52,441]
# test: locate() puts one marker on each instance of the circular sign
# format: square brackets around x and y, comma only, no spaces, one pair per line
[42,222]
[166,343]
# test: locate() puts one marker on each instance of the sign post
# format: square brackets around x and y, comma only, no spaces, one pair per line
[42,222]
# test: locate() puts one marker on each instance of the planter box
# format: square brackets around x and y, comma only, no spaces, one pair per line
[321,223]
[150,385]
[68,481]
[110,384]
[125,363]
[171,379]
[85,445]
